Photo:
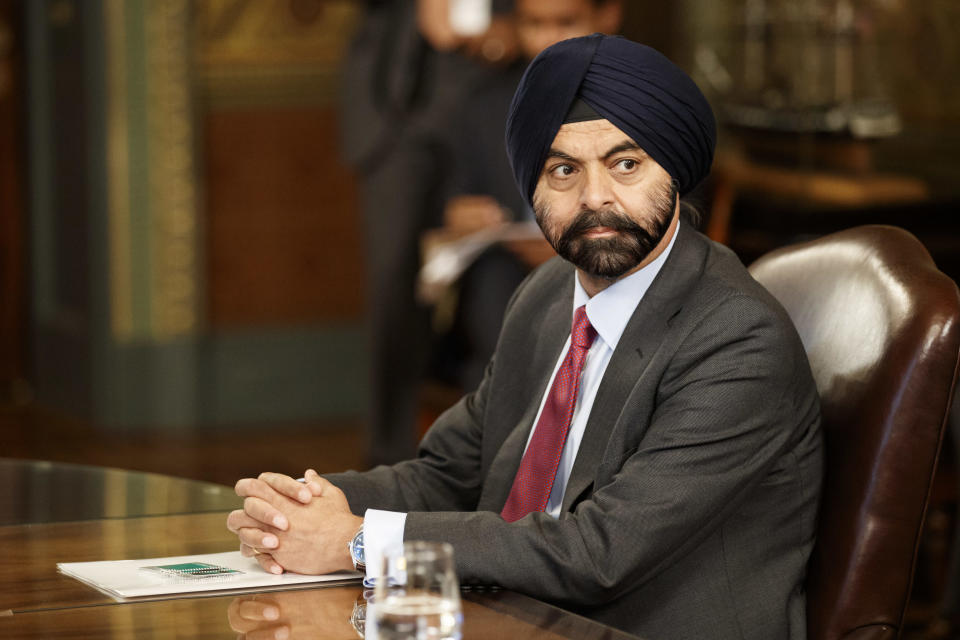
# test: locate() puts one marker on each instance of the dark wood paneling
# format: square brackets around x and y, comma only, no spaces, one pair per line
[215,454]
[12,305]
[657,24]
[282,224]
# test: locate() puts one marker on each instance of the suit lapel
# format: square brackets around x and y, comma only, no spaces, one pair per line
[547,339]
[641,338]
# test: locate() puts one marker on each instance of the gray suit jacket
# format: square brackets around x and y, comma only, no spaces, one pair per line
[690,509]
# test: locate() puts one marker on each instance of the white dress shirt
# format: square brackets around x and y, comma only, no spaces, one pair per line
[608,311]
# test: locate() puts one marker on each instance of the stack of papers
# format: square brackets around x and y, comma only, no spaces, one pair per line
[446,261]
[199,575]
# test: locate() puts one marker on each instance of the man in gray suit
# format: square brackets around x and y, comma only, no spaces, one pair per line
[658,466]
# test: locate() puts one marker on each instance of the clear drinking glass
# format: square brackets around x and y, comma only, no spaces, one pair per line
[417,596]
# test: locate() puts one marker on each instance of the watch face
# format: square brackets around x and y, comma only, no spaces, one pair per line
[356,548]
[358,618]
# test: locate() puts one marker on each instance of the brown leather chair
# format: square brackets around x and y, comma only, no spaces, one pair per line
[881,326]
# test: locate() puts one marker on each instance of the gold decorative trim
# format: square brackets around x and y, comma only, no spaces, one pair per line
[172,169]
[253,54]
[118,174]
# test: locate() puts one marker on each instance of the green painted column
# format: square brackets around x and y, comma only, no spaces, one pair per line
[115,233]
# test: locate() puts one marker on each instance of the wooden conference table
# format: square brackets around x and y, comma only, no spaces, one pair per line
[52,512]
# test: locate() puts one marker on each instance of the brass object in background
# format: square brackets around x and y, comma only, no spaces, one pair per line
[256,53]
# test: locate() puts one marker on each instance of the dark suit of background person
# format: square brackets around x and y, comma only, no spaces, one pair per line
[398,98]
[690,511]
[480,167]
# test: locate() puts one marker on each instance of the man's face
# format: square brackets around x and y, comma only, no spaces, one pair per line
[602,202]
[541,23]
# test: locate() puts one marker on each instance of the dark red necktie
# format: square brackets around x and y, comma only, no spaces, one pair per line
[534,479]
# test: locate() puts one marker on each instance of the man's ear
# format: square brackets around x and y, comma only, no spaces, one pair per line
[610,16]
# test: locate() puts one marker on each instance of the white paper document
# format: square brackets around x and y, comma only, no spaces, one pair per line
[210,574]
[445,262]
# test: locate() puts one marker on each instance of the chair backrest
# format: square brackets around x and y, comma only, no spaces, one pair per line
[881,326]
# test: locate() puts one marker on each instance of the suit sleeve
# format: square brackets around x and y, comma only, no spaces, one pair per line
[445,475]
[723,416]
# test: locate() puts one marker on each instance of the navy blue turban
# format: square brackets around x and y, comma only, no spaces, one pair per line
[633,86]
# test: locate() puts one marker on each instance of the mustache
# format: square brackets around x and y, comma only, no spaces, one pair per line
[609,256]
[589,219]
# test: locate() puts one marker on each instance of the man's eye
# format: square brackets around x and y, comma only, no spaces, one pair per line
[628,164]
[562,170]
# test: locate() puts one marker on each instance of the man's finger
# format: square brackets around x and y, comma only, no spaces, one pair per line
[239,519]
[314,482]
[258,610]
[249,552]
[234,520]
[258,539]
[265,513]
[287,486]
[264,559]
[279,632]
[237,622]
[269,564]
[323,485]
[257,488]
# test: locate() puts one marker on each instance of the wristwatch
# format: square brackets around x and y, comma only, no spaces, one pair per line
[355,546]
[358,617]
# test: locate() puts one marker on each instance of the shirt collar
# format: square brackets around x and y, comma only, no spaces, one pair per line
[610,310]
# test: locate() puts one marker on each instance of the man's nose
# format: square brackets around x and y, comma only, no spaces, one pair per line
[597,192]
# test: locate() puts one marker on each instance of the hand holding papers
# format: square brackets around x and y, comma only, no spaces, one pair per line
[445,258]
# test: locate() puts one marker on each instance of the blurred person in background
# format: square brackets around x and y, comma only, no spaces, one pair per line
[482,192]
[406,73]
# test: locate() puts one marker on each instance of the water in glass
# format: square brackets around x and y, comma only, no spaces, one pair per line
[417,596]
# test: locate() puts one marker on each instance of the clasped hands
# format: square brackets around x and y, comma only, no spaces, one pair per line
[303,527]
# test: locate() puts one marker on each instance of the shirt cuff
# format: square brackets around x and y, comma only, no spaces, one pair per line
[381,530]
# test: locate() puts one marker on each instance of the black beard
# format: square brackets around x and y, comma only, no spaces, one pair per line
[611,257]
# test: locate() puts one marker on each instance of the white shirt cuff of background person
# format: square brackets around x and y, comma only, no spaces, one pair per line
[381,530]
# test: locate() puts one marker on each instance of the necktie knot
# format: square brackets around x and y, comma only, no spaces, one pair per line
[582,334]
